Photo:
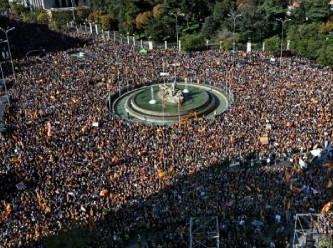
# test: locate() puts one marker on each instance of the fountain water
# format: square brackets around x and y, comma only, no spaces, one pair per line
[152,101]
[186,89]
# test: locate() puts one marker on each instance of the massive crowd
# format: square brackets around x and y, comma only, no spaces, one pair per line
[71,159]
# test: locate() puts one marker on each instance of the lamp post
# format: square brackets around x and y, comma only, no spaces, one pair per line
[176,16]
[234,17]
[10,54]
[282,22]
[73,12]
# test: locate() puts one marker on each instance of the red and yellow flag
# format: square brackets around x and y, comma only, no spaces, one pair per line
[290,186]
[287,175]
[161,173]
[326,208]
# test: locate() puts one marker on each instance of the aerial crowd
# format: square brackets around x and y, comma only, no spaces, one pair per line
[64,156]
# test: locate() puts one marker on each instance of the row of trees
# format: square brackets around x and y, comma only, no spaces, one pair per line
[309,31]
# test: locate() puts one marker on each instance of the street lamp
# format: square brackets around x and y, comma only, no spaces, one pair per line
[282,22]
[234,17]
[176,16]
[73,11]
[10,54]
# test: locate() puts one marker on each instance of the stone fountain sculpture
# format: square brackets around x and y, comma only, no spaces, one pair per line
[171,93]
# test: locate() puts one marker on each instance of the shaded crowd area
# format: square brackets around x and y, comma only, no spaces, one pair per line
[65,157]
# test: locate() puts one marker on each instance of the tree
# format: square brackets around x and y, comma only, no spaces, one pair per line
[4,4]
[157,11]
[61,18]
[193,43]
[208,28]
[130,12]
[221,10]
[43,17]
[269,10]
[142,19]
[316,10]
[273,45]
[96,15]
[156,29]
[108,22]
[19,8]
[305,39]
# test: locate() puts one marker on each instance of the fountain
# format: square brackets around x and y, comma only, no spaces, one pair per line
[145,104]
[171,93]
[152,100]
[186,89]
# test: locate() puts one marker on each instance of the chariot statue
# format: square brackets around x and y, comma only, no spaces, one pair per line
[171,93]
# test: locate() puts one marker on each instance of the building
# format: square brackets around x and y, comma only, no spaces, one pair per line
[54,4]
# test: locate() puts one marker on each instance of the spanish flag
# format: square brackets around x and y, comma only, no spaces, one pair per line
[287,176]
[103,192]
[328,164]
[161,173]
[326,208]
[329,183]
[35,114]
[172,171]
[8,209]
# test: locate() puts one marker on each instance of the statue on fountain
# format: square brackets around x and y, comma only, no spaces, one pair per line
[171,93]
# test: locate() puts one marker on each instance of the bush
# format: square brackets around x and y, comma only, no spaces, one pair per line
[193,43]
[108,22]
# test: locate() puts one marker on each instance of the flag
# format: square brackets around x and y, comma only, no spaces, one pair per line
[326,208]
[49,128]
[91,224]
[329,183]
[296,170]
[172,171]
[8,209]
[330,169]
[35,114]
[287,176]
[290,186]
[103,192]
[161,173]
[328,164]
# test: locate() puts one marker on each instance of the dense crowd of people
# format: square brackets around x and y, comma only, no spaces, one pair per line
[64,156]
